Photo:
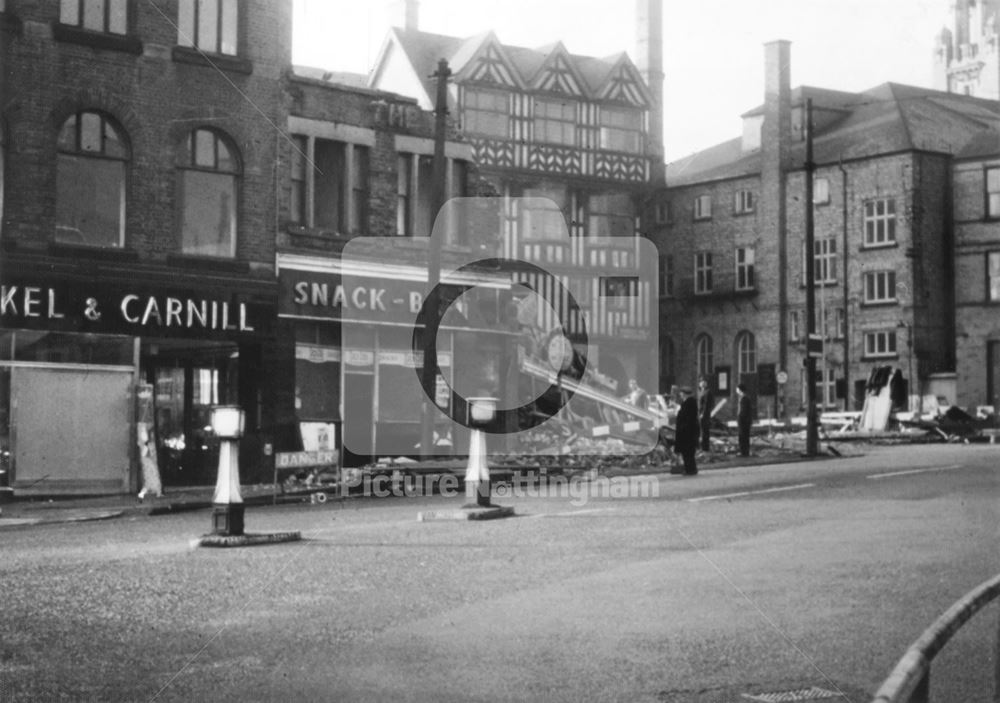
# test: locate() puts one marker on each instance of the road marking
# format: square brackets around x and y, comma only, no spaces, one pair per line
[751,493]
[916,471]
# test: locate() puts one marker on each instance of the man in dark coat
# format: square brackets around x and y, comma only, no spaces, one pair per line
[706,401]
[744,418]
[687,430]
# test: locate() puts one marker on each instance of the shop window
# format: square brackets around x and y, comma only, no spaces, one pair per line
[211,26]
[621,129]
[746,353]
[993,193]
[68,348]
[993,276]
[880,287]
[703,207]
[208,195]
[745,279]
[706,355]
[610,215]
[703,273]
[555,121]
[110,16]
[880,222]
[90,181]
[486,112]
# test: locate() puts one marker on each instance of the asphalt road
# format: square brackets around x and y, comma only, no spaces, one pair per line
[735,585]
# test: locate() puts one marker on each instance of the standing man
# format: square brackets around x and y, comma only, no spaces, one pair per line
[686,434]
[744,418]
[706,401]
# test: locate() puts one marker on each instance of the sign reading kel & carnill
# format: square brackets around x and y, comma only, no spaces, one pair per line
[101,308]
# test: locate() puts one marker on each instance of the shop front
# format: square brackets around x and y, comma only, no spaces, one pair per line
[95,377]
[365,365]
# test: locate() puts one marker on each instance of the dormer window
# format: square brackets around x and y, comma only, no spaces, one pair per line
[486,112]
[555,121]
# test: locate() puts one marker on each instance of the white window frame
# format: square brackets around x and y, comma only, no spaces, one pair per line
[703,272]
[824,260]
[621,129]
[993,276]
[879,287]
[992,181]
[880,222]
[826,388]
[746,353]
[880,344]
[705,355]
[744,202]
[745,272]
[492,119]
[212,26]
[703,207]
[821,191]
[555,116]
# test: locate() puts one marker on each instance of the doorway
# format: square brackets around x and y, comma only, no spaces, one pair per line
[359,398]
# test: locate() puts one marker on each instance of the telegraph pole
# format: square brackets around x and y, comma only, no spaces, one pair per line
[814,342]
[438,177]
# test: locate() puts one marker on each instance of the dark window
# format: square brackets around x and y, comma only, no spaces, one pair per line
[109,16]
[90,181]
[209,25]
[208,195]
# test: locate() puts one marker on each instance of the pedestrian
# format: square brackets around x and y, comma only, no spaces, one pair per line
[686,432]
[706,401]
[744,418]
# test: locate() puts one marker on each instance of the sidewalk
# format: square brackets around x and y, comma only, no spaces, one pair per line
[38,511]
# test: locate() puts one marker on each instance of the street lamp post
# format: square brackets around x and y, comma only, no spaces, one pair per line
[482,410]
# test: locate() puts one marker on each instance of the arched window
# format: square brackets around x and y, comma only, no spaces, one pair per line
[90,181]
[208,195]
[746,353]
[706,356]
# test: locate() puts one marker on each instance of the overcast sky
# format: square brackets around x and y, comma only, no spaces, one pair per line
[713,51]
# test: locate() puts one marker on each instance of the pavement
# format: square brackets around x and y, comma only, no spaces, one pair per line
[37,510]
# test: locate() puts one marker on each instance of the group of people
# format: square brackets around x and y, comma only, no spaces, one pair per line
[694,420]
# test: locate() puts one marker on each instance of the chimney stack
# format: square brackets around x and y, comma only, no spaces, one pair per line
[649,61]
[405,14]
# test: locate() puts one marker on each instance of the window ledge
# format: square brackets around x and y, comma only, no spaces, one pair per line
[743,213]
[880,304]
[92,252]
[879,357]
[886,245]
[207,263]
[96,40]
[235,64]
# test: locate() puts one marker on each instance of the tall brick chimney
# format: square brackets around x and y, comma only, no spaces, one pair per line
[649,61]
[775,148]
[405,14]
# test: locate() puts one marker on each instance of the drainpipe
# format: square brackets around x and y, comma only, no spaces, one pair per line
[847,325]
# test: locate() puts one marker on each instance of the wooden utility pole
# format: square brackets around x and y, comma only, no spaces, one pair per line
[438,197]
[812,431]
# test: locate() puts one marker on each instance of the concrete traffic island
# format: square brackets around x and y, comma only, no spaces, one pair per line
[468,512]
[248,540]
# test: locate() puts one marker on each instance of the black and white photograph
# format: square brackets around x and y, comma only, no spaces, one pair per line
[451,351]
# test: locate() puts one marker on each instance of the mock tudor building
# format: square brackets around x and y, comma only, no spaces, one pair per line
[137,260]
[732,253]
[581,131]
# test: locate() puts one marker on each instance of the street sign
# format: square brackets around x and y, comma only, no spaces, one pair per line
[782,378]
[814,346]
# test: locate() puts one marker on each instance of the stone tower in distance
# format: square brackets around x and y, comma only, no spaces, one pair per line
[967,53]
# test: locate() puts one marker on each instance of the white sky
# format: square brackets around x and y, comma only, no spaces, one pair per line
[713,51]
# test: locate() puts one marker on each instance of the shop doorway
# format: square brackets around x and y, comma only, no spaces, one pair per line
[188,378]
[359,398]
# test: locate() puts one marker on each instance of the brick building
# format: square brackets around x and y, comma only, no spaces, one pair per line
[584,133]
[732,252]
[138,251]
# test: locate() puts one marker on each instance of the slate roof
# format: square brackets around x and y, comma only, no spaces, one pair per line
[425,49]
[885,119]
